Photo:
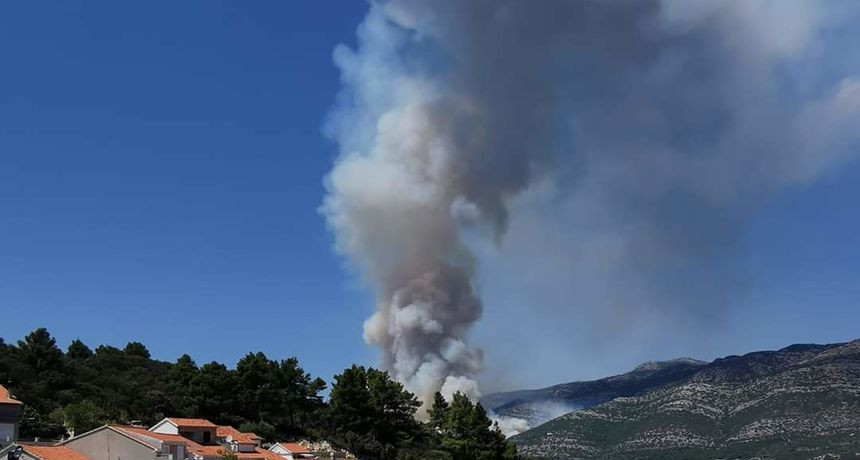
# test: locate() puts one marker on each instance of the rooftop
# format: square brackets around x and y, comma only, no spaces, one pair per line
[218,451]
[236,435]
[294,448]
[137,433]
[191,422]
[53,452]
[6,398]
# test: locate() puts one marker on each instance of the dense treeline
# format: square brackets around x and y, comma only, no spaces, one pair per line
[367,412]
[82,388]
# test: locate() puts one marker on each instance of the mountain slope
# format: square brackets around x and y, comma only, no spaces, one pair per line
[539,406]
[799,402]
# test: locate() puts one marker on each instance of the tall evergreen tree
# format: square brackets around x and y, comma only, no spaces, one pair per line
[181,382]
[258,376]
[217,390]
[40,371]
[299,395]
[373,414]
[349,402]
[438,412]
[136,349]
[468,433]
[5,362]
[78,351]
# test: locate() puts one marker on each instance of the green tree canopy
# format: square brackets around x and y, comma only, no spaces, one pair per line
[373,414]
[368,412]
[82,387]
[181,384]
[467,432]
[83,416]
[78,351]
[438,412]
[136,349]
[38,371]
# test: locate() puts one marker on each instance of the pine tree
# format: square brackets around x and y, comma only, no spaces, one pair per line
[136,349]
[78,351]
[181,382]
[468,433]
[372,414]
[40,371]
[438,412]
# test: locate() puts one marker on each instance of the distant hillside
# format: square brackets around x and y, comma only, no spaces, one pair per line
[799,402]
[539,406]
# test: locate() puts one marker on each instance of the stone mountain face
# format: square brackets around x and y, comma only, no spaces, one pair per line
[799,402]
[539,406]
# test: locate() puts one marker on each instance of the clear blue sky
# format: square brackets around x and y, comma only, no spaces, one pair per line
[161,167]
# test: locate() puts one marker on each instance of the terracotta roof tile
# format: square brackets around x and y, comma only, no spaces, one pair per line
[218,451]
[6,398]
[192,422]
[169,438]
[208,451]
[264,455]
[294,448]
[53,453]
[236,435]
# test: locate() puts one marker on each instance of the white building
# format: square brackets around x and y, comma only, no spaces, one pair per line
[10,416]
[291,451]
[198,430]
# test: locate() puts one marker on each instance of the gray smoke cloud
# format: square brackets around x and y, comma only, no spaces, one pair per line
[634,137]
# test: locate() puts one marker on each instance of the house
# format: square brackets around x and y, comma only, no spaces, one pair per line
[10,416]
[291,451]
[217,453]
[118,442]
[256,438]
[196,429]
[238,441]
[38,452]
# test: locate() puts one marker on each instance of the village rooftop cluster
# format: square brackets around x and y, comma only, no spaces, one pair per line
[170,439]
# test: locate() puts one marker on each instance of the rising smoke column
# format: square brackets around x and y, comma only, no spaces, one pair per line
[674,119]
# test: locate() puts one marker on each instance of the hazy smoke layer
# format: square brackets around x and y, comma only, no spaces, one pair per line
[652,128]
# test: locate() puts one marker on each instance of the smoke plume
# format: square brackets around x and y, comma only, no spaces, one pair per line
[645,133]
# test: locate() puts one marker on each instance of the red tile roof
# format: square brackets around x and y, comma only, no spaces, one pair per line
[236,435]
[192,422]
[169,438]
[6,398]
[218,451]
[194,448]
[209,451]
[294,448]
[53,453]
[262,454]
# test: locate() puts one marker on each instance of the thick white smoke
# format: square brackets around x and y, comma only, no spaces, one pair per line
[658,126]
[509,426]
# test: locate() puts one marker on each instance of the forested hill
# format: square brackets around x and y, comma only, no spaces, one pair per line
[367,412]
[85,387]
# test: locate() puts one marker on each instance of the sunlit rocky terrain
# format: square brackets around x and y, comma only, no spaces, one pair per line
[802,401]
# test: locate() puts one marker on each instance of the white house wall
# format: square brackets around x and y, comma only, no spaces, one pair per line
[8,432]
[165,427]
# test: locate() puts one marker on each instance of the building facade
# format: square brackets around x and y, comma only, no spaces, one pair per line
[10,416]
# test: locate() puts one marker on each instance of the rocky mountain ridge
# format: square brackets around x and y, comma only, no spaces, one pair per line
[541,405]
[802,401]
